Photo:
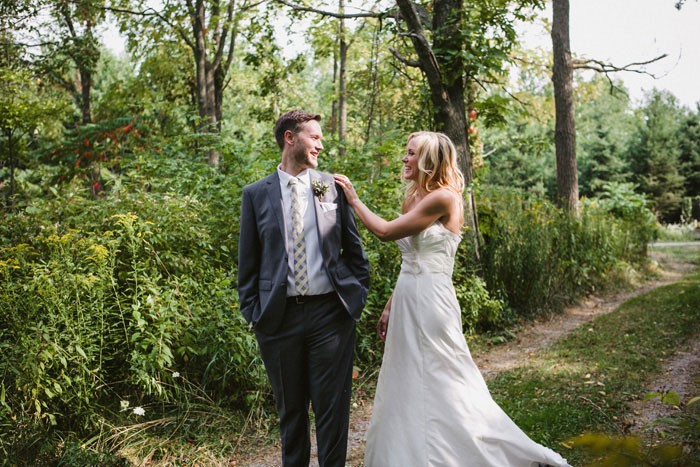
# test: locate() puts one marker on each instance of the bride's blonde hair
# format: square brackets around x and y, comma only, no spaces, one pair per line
[437,164]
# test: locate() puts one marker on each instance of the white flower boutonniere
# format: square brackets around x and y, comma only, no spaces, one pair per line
[320,188]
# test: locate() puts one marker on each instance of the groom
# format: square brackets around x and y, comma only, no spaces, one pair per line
[302,283]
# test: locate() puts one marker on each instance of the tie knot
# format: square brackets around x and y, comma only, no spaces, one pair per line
[293,181]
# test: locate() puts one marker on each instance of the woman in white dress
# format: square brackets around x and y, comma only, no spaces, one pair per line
[432,406]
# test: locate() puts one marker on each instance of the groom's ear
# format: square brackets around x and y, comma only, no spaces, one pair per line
[289,137]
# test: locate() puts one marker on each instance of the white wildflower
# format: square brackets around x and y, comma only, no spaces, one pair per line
[124,405]
[139,411]
[176,374]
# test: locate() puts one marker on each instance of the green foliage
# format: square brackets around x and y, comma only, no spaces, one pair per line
[627,451]
[113,300]
[676,232]
[654,155]
[689,143]
[479,311]
[538,257]
[632,209]
[604,127]
[117,274]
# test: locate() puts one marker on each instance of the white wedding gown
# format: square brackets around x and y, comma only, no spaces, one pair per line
[432,406]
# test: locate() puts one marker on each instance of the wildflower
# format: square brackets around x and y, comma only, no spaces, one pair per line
[176,374]
[123,405]
[139,411]
[96,185]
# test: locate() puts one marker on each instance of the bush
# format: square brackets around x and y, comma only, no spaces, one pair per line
[110,306]
[538,257]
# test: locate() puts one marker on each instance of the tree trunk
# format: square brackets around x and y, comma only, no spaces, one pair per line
[334,104]
[206,100]
[565,129]
[209,121]
[85,88]
[342,90]
[444,74]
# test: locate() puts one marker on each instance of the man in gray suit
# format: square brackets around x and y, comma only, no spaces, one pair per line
[302,282]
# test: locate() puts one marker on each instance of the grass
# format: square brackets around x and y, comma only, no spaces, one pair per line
[584,382]
[677,233]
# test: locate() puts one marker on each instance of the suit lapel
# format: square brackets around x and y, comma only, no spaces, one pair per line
[274,192]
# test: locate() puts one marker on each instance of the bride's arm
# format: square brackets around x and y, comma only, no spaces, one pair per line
[434,206]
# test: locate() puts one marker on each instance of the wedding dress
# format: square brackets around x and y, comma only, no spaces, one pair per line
[432,406]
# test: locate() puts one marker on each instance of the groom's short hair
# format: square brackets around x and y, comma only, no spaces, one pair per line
[291,121]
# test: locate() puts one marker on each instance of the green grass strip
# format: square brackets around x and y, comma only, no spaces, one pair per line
[583,382]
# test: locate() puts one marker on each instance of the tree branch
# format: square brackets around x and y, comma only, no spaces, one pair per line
[602,67]
[150,12]
[404,60]
[428,61]
[331,13]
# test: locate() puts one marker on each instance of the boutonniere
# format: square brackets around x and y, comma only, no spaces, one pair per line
[320,188]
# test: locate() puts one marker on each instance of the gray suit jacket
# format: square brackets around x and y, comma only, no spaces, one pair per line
[262,252]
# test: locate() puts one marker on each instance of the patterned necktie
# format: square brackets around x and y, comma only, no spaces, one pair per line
[301,276]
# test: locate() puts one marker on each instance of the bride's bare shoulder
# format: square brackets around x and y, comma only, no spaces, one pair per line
[443,196]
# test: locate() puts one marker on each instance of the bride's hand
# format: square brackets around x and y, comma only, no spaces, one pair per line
[347,187]
[383,323]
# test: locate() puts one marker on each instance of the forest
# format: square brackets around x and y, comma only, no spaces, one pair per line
[121,180]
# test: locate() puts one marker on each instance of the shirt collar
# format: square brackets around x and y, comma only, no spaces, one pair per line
[304,176]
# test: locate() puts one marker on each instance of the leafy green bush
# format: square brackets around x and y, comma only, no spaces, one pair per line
[538,257]
[101,305]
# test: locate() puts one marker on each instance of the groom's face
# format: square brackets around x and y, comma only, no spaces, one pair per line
[307,144]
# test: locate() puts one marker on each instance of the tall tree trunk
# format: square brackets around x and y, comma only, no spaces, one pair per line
[372,84]
[334,104]
[446,82]
[210,115]
[565,129]
[206,101]
[85,88]
[342,90]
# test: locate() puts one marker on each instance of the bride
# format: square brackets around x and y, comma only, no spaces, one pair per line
[432,406]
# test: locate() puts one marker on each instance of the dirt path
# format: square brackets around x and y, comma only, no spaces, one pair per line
[530,339]
[682,370]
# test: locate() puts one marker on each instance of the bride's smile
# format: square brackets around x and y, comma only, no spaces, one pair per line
[410,162]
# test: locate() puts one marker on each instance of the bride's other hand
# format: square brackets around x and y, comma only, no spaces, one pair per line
[383,323]
[347,187]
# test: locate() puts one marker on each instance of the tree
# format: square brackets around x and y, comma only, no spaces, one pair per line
[689,145]
[655,154]
[71,48]
[565,128]
[605,124]
[469,46]
[210,29]
[21,110]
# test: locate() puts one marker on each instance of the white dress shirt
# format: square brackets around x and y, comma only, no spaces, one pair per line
[318,279]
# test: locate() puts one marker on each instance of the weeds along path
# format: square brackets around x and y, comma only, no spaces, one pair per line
[529,340]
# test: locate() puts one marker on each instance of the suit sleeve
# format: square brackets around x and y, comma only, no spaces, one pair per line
[248,260]
[353,254]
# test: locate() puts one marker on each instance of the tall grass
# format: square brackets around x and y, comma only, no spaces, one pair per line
[538,257]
